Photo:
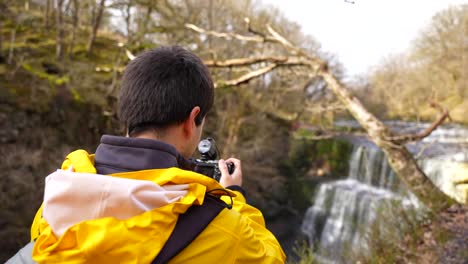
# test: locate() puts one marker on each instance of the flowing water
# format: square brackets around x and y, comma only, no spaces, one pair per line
[344,210]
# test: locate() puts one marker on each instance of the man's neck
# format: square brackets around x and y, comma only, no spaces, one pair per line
[171,135]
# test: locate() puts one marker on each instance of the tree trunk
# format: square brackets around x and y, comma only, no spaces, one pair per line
[210,22]
[400,159]
[60,42]
[232,138]
[67,7]
[96,24]
[128,21]
[47,13]
[143,25]
[12,45]
[76,9]
[1,38]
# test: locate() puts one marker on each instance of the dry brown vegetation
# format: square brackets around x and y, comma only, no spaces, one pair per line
[435,68]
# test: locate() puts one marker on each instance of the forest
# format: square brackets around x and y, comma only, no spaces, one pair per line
[279,106]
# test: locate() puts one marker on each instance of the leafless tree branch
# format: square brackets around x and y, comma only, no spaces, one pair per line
[406,138]
[224,35]
[247,77]
[238,62]
[243,61]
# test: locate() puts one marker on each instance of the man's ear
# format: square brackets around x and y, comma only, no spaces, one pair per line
[189,124]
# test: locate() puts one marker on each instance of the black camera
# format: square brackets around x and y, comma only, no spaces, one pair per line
[207,164]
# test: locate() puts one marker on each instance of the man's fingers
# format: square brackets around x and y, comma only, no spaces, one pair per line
[223,167]
[228,179]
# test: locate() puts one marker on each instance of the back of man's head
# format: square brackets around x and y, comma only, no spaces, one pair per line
[161,87]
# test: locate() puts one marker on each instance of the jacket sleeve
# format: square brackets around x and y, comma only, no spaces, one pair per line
[257,243]
[241,206]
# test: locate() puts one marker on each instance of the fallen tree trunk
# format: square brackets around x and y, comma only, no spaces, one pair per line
[400,159]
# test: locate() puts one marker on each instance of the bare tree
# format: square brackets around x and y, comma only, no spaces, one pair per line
[59,23]
[3,15]
[399,157]
[434,68]
[144,25]
[96,24]
[49,6]
[76,18]
[12,45]
[128,20]
[1,39]
[210,23]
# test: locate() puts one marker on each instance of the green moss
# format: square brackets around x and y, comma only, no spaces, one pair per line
[48,43]
[52,78]
[76,96]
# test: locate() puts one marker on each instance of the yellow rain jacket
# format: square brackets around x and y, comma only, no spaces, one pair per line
[234,236]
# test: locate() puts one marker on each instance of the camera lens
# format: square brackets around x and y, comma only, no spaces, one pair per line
[204,146]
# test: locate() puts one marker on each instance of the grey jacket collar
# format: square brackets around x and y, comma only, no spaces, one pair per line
[121,154]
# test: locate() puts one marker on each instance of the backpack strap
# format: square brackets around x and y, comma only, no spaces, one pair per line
[189,225]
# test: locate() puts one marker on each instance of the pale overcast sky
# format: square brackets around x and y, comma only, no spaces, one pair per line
[363,33]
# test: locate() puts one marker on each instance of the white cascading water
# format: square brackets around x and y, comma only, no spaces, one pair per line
[343,210]
[340,206]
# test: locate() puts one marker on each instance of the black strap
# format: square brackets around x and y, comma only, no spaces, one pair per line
[189,226]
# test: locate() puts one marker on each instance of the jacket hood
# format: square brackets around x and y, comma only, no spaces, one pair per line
[84,196]
[119,218]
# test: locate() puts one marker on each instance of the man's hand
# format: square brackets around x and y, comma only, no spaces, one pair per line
[230,179]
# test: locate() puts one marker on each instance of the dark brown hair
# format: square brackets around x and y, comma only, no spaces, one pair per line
[161,87]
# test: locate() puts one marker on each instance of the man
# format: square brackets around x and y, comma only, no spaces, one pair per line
[122,204]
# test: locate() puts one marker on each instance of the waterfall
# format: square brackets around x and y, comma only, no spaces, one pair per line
[342,209]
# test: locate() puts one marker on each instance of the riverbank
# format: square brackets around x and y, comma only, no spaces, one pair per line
[455,221]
